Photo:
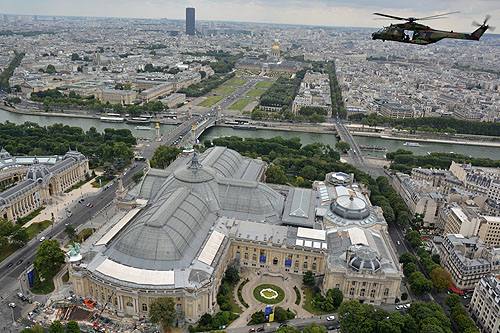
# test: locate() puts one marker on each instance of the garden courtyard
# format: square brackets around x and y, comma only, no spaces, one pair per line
[262,288]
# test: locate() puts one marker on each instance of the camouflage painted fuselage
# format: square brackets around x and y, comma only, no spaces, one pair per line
[415,33]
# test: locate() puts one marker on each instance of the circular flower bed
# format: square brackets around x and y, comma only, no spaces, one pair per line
[268,294]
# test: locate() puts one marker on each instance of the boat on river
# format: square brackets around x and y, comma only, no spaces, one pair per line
[139,120]
[112,119]
[372,147]
[411,144]
[146,128]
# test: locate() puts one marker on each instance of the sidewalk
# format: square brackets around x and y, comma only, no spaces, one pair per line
[62,203]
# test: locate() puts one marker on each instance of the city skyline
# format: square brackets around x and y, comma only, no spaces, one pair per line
[319,13]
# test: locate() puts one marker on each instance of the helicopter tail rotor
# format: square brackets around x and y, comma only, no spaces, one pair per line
[486,19]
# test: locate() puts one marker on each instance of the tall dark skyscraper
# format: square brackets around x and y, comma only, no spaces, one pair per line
[190,21]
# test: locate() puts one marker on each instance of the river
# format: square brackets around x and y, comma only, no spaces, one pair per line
[392,145]
[217,132]
[84,123]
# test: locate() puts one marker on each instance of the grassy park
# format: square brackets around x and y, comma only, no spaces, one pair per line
[210,101]
[255,93]
[240,104]
[223,91]
[264,84]
[235,82]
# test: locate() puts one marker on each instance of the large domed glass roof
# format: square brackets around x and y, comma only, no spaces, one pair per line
[364,258]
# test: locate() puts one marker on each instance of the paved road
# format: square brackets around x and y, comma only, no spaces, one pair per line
[9,283]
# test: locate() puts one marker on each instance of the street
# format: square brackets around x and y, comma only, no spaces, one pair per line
[9,277]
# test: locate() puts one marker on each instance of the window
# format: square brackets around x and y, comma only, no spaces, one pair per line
[351,292]
[337,286]
[246,255]
[129,304]
[386,292]
[372,293]
[296,264]
[364,284]
[275,261]
[305,265]
[254,257]
[314,266]
[238,247]
[144,307]
[353,283]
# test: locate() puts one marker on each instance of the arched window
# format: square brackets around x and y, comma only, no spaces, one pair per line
[314,266]
[386,292]
[372,293]
[144,307]
[362,292]
[351,292]
[275,261]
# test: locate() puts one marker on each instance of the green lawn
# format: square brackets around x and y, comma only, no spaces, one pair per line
[264,84]
[223,91]
[82,236]
[240,104]
[255,93]
[308,306]
[31,216]
[65,277]
[234,306]
[45,287]
[235,82]
[7,251]
[210,101]
[36,228]
[258,297]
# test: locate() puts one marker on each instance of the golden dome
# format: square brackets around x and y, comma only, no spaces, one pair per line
[275,46]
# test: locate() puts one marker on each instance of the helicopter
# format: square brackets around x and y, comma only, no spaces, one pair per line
[422,34]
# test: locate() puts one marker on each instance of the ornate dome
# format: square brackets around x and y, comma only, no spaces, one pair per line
[276,46]
[350,207]
[364,258]
[4,154]
[76,155]
[199,178]
[37,172]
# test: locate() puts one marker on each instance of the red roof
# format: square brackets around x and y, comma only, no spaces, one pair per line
[455,290]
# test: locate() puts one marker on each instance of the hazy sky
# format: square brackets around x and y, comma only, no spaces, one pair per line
[314,12]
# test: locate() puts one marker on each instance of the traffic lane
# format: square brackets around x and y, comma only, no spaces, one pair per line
[79,215]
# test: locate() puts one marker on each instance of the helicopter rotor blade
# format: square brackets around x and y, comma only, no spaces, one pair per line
[474,23]
[491,28]
[390,16]
[435,16]
[486,19]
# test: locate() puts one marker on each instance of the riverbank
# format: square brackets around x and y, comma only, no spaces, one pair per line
[447,141]
[303,129]
[51,114]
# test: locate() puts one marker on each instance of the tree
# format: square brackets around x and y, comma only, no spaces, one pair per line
[404,296]
[72,327]
[287,329]
[352,315]
[409,269]
[403,218]
[4,241]
[308,279]
[50,69]
[314,328]
[406,258]
[440,278]
[56,327]
[342,146]
[49,258]
[275,175]
[316,118]
[309,172]
[258,317]
[419,284]
[75,57]
[281,314]
[232,275]
[163,312]
[163,156]
[137,176]
[70,231]
[414,238]
[452,300]
[336,296]
[21,236]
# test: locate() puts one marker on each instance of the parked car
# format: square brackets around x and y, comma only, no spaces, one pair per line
[88,204]
[399,307]
[330,318]
[283,325]
[12,305]
[19,262]
[261,329]
[407,306]
[251,330]
[42,239]
[10,265]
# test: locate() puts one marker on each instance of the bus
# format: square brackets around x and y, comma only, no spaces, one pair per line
[140,158]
